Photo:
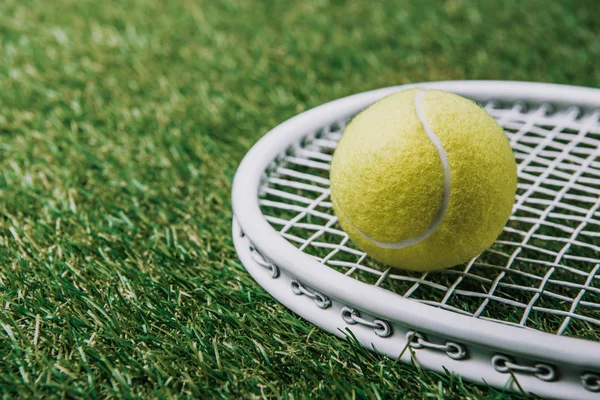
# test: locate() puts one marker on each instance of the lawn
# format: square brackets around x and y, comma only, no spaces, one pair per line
[121,126]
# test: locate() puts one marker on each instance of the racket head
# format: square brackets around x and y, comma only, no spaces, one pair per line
[323,294]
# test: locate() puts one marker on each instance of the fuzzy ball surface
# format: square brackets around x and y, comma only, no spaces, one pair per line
[423,180]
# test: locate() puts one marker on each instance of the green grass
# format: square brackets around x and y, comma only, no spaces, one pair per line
[121,127]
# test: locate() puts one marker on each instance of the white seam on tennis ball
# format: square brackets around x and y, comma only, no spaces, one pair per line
[446,195]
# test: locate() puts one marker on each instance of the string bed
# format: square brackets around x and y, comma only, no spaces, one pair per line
[542,273]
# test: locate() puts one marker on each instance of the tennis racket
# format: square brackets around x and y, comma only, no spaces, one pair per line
[526,312]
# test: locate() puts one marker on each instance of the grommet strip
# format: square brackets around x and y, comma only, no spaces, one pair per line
[505,364]
[591,381]
[453,350]
[352,316]
[263,262]
[320,299]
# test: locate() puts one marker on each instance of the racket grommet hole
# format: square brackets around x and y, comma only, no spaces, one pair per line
[382,328]
[274,271]
[548,109]
[415,339]
[591,381]
[322,301]
[500,363]
[348,315]
[545,372]
[455,351]
[576,111]
[521,106]
[296,287]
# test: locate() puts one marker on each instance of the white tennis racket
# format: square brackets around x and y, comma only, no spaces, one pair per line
[527,309]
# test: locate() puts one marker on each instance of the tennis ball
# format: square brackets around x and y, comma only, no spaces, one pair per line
[423,180]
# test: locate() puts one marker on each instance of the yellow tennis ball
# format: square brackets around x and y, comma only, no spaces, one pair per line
[423,180]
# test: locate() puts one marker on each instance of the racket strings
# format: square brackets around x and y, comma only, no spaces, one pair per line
[543,271]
